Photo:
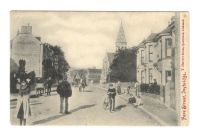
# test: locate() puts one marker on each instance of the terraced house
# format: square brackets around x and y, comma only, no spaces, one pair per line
[163,57]
[145,60]
[156,61]
[154,56]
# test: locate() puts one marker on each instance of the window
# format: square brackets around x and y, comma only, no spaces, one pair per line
[150,75]
[142,56]
[150,53]
[168,75]
[142,77]
[168,44]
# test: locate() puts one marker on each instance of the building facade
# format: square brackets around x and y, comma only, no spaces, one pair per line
[156,61]
[93,75]
[29,48]
[145,60]
[154,57]
[163,57]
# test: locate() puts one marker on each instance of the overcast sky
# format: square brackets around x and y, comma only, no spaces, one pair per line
[85,37]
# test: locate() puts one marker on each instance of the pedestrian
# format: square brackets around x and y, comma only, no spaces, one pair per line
[131,99]
[138,101]
[23,104]
[81,85]
[118,87]
[128,89]
[111,95]
[49,84]
[65,91]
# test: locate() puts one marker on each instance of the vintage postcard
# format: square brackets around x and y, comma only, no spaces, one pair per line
[99,68]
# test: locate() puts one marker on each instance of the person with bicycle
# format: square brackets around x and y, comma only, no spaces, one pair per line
[111,96]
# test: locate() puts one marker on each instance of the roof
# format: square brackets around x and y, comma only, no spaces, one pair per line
[167,30]
[111,57]
[150,38]
[154,36]
[25,39]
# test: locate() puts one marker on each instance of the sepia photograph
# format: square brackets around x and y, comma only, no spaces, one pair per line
[99,68]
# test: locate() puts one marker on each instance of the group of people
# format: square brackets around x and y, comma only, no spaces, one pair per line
[64,90]
[23,110]
[112,92]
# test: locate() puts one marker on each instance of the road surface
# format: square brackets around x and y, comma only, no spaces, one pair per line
[86,109]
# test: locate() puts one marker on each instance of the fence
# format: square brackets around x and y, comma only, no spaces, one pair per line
[154,91]
[150,88]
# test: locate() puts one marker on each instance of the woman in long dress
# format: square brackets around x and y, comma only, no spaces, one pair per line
[23,105]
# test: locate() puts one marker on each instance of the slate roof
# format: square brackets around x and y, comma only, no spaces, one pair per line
[167,30]
[150,38]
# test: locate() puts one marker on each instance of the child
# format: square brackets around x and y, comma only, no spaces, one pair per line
[111,95]
[138,101]
[128,89]
[132,99]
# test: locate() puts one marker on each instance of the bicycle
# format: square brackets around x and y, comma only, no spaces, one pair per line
[106,104]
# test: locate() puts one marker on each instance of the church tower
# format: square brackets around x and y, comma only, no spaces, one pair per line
[121,40]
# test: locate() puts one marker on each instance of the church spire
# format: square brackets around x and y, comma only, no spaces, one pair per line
[121,39]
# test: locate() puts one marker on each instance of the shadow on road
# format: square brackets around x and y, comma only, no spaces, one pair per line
[47,119]
[88,91]
[35,103]
[82,107]
[58,116]
[118,108]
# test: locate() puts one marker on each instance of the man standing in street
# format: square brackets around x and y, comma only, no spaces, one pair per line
[65,91]
[49,84]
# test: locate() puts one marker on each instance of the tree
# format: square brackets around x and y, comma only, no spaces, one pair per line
[54,63]
[13,66]
[21,74]
[13,71]
[123,67]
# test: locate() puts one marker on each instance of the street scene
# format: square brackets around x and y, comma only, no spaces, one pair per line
[95,68]
[85,110]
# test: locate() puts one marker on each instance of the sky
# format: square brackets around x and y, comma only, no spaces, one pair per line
[85,37]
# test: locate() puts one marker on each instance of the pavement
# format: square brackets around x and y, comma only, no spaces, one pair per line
[158,111]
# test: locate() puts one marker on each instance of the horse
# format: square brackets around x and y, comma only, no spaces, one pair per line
[82,86]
